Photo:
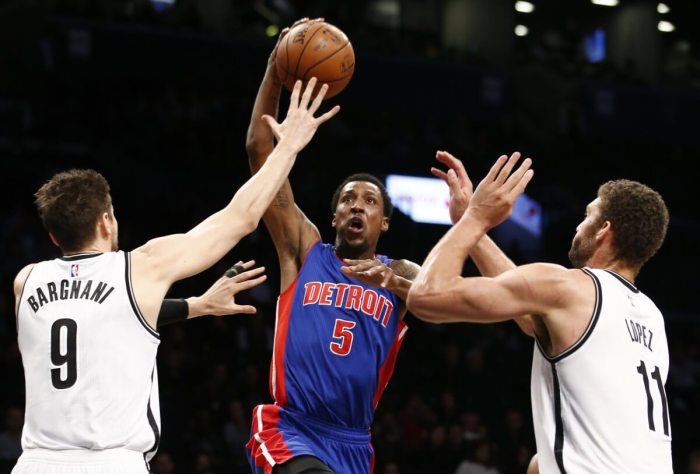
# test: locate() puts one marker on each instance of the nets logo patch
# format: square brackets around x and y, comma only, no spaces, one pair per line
[74,270]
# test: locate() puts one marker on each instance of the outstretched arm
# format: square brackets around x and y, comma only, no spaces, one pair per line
[486,255]
[160,262]
[291,231]
[218,300]
[439,293]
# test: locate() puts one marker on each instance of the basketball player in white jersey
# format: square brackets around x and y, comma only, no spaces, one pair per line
[601,356]
[87,321]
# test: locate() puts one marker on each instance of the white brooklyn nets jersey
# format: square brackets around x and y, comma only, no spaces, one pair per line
[600,407]
[89,358]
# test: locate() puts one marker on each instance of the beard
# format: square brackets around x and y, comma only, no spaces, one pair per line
[580,252]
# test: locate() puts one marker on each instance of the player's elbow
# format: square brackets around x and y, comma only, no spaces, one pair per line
[247,224]
[257,147]
[424,304]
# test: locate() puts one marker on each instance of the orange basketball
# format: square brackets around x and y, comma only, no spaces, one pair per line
[316,49]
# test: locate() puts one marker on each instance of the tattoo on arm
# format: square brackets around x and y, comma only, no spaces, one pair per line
[282,200]
[405,269]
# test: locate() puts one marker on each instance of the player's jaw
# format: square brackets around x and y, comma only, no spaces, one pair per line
[582,248]
[356,235]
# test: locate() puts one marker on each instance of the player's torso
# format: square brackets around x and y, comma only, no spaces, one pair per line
[88,356]
[335,343]
[601,405]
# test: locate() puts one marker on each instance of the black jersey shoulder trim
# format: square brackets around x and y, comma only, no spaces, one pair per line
[80,256]
[624,281]
[558,422]
[132,300]
[19,299]
[591,324]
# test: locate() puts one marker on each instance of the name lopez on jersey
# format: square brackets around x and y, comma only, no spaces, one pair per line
[69,290]
[355,297]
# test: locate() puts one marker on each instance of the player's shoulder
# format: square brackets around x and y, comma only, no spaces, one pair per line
[21,278]
[551,276]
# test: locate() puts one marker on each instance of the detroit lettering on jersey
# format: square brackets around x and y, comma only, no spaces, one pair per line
[69,290]
[639,333]
[343,295]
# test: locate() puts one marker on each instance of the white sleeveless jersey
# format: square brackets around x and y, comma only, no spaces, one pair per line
[600,407]
[89,358]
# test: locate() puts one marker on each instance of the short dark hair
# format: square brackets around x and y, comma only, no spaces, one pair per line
[639,219]
[69,205]
[388,206]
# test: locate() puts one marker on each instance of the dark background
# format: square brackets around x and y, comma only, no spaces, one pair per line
[158,99]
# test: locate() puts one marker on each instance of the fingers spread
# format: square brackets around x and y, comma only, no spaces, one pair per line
[318,99]
[245,285]
[439,173]
[243,309]
[306,96]
[496,168]
[327,116]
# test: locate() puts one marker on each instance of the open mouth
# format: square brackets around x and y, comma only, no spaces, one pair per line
[356,224]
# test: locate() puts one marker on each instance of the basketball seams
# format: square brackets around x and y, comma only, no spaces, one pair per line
[320,61]
[306,43]
[335,68]
[286,49]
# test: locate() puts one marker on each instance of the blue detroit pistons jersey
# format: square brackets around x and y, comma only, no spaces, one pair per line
[336,342]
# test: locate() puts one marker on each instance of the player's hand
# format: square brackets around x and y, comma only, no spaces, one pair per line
[220,298]
[372,272]
[300,125]
[460,185]
[494,197]
[283,33]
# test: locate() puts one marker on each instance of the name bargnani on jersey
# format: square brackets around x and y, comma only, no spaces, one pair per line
[640,334]
[69,290]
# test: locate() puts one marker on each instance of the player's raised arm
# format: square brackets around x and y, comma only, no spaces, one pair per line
[167,259]
[439,293]
[486,255]
[291,231]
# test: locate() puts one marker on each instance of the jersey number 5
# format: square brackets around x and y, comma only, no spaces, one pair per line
[656,375]
[66,357]
[342,333]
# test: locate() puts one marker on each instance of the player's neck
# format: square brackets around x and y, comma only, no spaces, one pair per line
[614,265]
[354,253]
[97,246]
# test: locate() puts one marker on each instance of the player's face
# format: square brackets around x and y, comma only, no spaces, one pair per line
[359,217]
[584,243]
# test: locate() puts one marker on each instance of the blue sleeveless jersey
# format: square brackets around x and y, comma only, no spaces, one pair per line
[336,342]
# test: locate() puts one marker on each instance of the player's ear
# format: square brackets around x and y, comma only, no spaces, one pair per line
[604,230]
[105,225]
[333,221]
[53,239]
[385,224]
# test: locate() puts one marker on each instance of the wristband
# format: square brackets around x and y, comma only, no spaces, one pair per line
[172,311]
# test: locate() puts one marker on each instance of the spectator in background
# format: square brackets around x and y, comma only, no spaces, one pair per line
[481,461]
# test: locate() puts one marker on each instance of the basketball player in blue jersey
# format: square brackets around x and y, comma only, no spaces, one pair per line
[86,322]
[600,359]
[337,335]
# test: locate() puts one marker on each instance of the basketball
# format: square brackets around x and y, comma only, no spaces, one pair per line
[316,49]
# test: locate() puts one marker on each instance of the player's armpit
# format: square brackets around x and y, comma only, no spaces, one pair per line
[21,277]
